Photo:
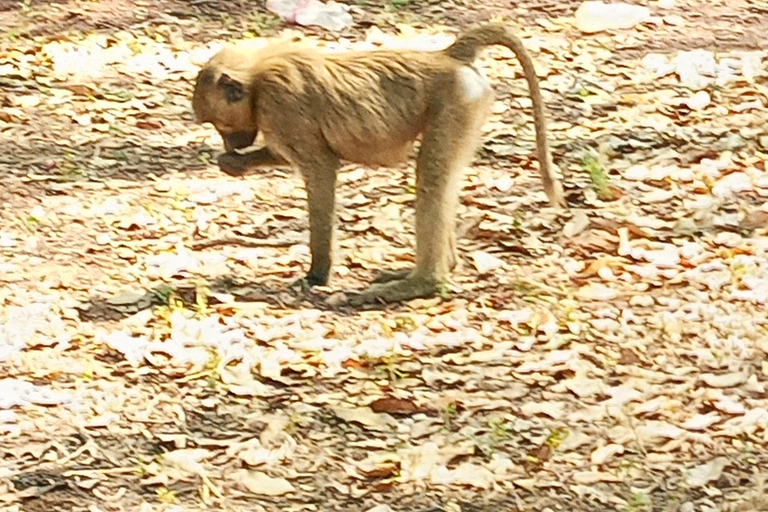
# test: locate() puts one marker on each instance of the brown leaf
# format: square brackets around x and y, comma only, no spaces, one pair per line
[628,357]
[148,124]
[380,470]
[81,89]
[594,240]
[394,406]
[754,220]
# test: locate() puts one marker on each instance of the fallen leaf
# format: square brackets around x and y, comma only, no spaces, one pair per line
[485,262]
[701,475]
[393,406]
[260,483]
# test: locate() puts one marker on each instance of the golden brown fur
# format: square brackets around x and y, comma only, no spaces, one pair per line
[316,109]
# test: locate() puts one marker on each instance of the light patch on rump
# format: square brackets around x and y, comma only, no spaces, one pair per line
[473,85]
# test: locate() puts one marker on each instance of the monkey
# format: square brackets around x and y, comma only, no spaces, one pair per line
[316,109]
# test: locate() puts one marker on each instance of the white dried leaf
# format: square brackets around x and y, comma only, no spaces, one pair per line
[665,257]
[636,173]
[658,196]
[621,395]
[734,182]
[380,508]
[729,406]
[641,301]
[127,297]
[485,262]
[582,386]
[365,417]
[659,431]
[698,101]
[595,16]
[133,348]
[604,453]
[701,475]
[186,460]
[466,473]
[551,408]
[728,239]
[573,441]
[260,483]
[598,292]
[20,392]
[504,184]
[418,462]
[725,380]
[516,317]
[702,421]
[578,223]
[554,358]
[593,477]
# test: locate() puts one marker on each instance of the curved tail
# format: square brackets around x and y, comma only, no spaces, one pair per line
[465,49]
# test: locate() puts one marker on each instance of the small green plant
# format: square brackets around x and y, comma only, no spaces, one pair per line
[122,96]
[389,366]
[71,172]
[583,92]
[295,422]
[444,291]
[201,300]
[30,223]
[499,430]
[399,4]
[12,35]
[597,175]
[638,501]
[166,495]
[225,19]
[164,293]
[556,437]
[212,367]
[448,413]
[404,323]
[25,6]
[260,22]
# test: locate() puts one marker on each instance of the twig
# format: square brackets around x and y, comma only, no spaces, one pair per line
[244,241]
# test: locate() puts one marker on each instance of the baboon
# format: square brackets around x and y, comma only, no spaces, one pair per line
[316,109]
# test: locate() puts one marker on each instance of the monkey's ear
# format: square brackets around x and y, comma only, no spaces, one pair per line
[233,90]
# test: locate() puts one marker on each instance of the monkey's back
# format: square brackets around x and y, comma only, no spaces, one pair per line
[367,106]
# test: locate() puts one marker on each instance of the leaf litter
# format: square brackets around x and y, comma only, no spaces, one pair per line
[609,358]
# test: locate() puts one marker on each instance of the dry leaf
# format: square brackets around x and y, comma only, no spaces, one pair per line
[260,483]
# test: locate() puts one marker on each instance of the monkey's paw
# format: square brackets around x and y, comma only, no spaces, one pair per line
[387,276]
[233,164]
[397,291]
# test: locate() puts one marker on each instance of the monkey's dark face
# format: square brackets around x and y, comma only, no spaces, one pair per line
[225,102]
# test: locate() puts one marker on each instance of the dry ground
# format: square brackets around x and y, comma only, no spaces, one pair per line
[608,358]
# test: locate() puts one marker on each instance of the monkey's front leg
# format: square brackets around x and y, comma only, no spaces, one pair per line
[320,181]
[240,164]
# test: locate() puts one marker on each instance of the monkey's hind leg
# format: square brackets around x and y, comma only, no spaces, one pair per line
[448,145]
[385,276]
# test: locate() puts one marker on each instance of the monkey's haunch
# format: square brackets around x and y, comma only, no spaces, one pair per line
[316,109]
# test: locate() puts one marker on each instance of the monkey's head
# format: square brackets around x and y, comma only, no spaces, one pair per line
[223,99]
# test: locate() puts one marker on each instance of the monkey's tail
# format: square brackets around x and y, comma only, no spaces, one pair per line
[465,49]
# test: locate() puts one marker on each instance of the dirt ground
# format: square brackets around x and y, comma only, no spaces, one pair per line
[613,357]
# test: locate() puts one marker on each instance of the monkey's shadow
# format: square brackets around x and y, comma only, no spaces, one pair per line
[194,292]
